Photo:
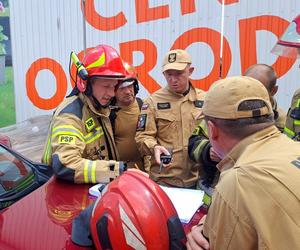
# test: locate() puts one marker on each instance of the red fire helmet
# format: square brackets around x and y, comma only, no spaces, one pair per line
[130,71]
[102,61]
[289,43]
[131,77]
[135,213]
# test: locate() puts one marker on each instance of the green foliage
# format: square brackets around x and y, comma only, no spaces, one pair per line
[5,12]
[7,100]
[2,38]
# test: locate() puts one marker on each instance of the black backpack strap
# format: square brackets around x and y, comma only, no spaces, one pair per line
[140,102]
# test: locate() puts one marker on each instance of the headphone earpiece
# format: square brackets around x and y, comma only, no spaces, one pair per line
[136,87]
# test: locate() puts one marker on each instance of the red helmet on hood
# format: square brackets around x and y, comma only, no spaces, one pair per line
[102,61]
[289,43]
[135,213]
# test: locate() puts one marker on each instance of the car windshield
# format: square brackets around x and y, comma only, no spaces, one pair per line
[14,174]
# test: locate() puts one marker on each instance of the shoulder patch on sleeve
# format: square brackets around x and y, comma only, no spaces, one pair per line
[145,106]
[66,139]
[296,162]
[90,124]
[141,124]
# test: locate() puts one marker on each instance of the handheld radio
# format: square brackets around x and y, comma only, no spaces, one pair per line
[81,70]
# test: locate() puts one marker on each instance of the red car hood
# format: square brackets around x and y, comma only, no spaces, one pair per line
[43,219]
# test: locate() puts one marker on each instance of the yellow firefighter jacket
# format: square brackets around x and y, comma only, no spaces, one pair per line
[292,124]
[256,203]
[199,151]
[168,119]
[80,145]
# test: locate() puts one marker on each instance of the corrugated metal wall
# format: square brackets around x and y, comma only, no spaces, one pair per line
[42,29]
[51,29]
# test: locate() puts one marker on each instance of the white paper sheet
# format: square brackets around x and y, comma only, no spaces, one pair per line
[185,201]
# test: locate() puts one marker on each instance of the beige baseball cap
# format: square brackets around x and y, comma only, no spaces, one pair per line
[176,59]
[224,97]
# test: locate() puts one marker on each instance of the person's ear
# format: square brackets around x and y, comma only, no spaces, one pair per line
[213,131]
[191,70]
[274,90]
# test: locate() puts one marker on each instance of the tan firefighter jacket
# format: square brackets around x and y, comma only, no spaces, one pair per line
[168,119]
[80,145]
[279,116]
[292,124]
[256,203]
[124,132]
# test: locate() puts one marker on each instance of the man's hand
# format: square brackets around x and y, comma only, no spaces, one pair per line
[213,155]
[195,239]
[158,150]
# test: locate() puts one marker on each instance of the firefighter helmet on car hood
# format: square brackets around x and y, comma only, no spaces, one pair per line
[133,213]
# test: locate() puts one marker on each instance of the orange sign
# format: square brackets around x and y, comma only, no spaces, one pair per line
[144,13]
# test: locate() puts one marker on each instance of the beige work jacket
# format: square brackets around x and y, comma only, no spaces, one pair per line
[80,145]
[292,126]
[280,116]
[125,127]
[168,119]
[256,203]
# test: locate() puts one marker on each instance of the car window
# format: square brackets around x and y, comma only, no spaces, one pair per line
[13,172]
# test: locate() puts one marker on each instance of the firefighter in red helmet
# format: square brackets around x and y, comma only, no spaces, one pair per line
[80,146]
[289,46]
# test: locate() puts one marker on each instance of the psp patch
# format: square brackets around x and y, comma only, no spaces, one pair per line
[163,105]
[66,139]
[141,124]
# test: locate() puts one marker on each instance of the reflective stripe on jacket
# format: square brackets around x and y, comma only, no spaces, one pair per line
[292,126]
[80,145]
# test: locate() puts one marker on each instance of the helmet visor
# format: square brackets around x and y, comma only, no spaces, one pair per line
[289,43]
